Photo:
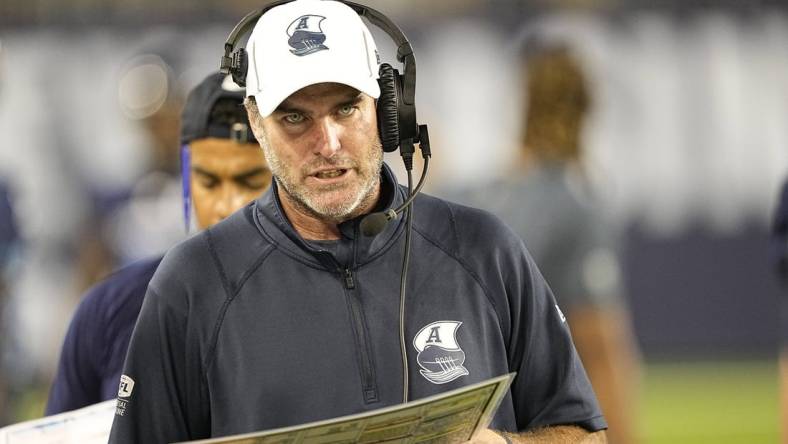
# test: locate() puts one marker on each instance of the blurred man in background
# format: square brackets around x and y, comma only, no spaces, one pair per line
[780,257]
[226,170]
[90,177]
[548,201]
[9,237]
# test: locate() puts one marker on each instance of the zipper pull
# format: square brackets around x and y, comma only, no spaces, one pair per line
[349,282]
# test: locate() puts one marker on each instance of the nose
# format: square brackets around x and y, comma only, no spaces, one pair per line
[224,205]
[327,143]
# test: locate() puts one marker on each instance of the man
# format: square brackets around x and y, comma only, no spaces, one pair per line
[285,314]
[227,172]
[547,201]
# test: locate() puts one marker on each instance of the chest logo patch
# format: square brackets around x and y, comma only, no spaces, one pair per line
[440,357]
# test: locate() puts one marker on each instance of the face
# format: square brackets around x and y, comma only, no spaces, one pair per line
[323,147]
[225,176]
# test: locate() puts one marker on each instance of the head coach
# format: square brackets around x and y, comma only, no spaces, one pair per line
[317,300]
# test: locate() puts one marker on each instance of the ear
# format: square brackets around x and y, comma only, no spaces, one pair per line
[255,121]
[257,129]
[256,124]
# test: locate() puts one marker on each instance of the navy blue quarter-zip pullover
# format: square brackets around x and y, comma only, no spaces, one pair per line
[247,326]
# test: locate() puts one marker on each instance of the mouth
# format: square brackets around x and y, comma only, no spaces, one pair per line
[330,174]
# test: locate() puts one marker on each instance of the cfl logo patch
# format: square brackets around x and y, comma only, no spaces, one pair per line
[126,386]
[440,357]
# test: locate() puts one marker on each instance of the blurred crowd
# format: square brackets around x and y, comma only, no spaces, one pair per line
[680,124]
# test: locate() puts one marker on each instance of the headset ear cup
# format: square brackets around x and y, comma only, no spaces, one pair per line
[388,108]
[240,66]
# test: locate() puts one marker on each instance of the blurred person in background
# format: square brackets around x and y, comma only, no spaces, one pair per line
[9,237]
[13,385]
[780,258]
[52,154]
[226,170]
[549,202]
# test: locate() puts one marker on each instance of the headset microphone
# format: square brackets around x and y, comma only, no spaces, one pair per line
[374,223]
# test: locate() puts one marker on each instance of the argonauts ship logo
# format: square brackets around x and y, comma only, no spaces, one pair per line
[440,357]
[306,37]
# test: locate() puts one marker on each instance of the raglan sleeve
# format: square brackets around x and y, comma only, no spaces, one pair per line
[551,386]
[159,394]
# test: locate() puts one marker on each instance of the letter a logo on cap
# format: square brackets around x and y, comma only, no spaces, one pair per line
[306,36]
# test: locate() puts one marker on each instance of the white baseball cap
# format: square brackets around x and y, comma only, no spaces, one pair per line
[305,42]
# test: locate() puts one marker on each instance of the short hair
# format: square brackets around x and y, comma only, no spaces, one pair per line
[253,112]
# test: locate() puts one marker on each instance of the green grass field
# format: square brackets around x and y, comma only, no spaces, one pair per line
[710,402]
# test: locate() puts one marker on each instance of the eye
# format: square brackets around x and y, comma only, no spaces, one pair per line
[209,183]
[254,184]
[346,110]
[294,118]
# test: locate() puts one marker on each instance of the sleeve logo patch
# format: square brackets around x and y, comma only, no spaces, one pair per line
[126,386]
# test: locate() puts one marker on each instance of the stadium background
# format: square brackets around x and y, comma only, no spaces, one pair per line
[688,144]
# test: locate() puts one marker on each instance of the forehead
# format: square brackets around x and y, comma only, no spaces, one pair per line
[320,93]
[224,150]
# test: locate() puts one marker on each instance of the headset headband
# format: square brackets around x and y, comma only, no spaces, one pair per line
[230,62]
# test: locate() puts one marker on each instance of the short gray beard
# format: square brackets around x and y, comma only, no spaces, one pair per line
[306,201]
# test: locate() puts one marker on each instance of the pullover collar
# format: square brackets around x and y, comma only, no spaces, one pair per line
[272,223]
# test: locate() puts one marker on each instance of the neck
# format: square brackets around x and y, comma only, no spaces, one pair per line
[312,226]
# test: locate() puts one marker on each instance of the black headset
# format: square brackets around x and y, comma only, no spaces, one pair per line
[396,106]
